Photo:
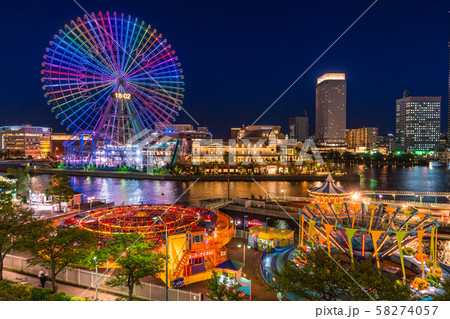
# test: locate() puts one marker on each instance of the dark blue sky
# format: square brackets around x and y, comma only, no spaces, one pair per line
[238,56]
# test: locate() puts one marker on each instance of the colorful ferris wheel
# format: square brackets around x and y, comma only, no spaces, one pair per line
[112,74]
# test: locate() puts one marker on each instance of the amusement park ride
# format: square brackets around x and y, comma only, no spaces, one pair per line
[196,237]
[360,230]
[115,82]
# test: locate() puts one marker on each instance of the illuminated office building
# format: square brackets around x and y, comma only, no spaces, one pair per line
[418,123]
[26,140]
[331,109]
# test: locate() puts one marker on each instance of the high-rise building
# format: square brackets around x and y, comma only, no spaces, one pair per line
[362,139]
[417,123]
[298,128]
[448,97]
[26,140]
[331,109]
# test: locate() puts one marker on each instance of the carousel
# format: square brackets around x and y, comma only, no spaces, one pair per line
[329,192]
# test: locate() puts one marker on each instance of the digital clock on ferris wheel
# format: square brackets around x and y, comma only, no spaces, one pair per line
[122,96]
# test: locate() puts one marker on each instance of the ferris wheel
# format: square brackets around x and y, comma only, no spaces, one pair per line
[112,74]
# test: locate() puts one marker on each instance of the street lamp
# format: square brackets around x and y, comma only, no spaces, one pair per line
[96,277]
[282,194]
[162,194]
[267,223]
[244,238]
[167,260]
[90,200]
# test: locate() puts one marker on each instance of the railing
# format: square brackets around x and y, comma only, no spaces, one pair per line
[85,278]
[264,205]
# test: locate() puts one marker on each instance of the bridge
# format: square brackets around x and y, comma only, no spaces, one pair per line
[416,196]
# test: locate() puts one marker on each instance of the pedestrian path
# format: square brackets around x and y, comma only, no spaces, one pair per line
[68,289]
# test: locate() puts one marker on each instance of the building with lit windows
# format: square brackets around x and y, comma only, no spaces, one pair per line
[417,123]
[331,109]
[298,128]
[362,139]
[26,140]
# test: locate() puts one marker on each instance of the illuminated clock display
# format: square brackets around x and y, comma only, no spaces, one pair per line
[122,96]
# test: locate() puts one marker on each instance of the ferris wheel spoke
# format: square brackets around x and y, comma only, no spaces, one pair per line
[145,117]
[85,45]
[168,95]
[96,33]
[97,43]
[141,47]
[108,37]
[79,92]
[144,54]
[76,63]
[129,54]
[81,58]
[157,108]
[78,102]
[157,105]
[93,110]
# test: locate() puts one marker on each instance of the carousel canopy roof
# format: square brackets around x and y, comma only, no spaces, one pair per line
[230,264]
[329,187]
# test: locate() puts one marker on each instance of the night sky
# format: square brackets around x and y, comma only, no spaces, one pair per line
[239,56]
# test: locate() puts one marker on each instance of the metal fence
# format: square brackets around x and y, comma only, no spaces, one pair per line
[85,278]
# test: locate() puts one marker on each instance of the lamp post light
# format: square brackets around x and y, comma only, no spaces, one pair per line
[162,194]
[90,200]
[96,277]
[267,219]
[282,194]
[244,244]
[167,255]
[394,198]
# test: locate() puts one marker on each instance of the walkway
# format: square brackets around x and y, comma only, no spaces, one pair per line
[68,289]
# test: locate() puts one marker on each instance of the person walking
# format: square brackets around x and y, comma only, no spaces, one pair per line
[42,277]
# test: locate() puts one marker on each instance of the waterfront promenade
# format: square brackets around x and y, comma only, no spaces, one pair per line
[215,177]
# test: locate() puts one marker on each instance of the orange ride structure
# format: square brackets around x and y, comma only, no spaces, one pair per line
[367,231]
[196,236]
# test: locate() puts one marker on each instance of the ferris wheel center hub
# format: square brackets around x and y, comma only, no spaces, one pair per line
[120,81]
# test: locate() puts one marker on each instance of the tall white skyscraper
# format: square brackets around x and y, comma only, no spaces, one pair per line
[331,109]
[417,124]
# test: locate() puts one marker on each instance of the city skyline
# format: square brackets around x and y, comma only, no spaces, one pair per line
[246,84]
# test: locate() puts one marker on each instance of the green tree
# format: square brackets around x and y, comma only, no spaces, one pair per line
[323,278]
[59,248]
[226,157]
[137,259]
[21,180]
[329,165]
[220,291]
[17,225]
[61,189]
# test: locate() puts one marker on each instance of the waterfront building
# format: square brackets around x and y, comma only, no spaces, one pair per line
[417,123]
[57,144]
[362,139]
[448,96]
[298,128]
[385,143]
[26,140]
[331,109]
